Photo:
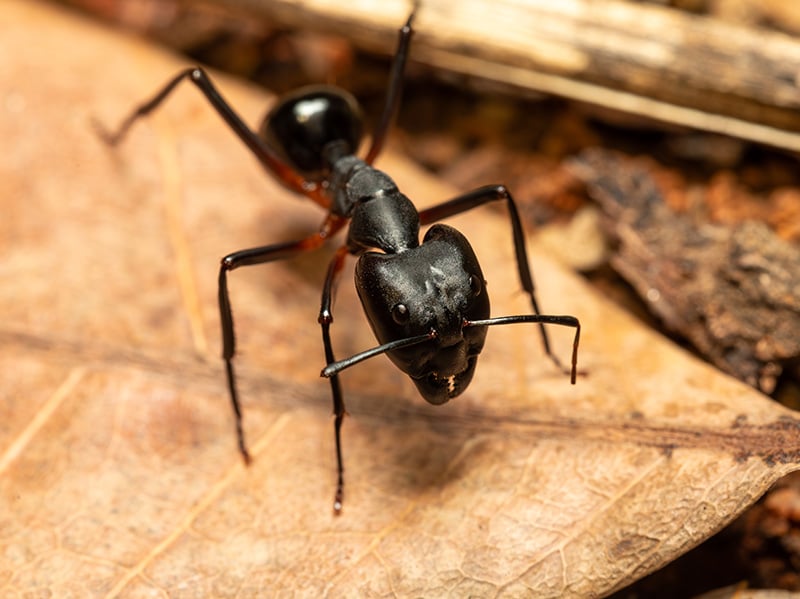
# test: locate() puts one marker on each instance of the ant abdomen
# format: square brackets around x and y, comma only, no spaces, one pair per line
[304,122]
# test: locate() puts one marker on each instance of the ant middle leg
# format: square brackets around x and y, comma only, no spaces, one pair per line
[249,257]
[479,197]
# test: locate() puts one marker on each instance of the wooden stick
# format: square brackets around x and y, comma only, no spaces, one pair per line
[640,59]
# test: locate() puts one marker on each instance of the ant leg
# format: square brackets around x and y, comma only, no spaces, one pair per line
[479,197]
[248,257]
[325,320]
[268,158]
[395,90]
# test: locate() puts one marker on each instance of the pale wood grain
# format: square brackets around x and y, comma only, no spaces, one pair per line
[643,60]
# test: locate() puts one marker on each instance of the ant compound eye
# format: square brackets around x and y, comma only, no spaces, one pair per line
[475,285]
[400,313]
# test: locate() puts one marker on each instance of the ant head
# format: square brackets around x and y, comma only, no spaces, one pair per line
[433,287]
[307,121]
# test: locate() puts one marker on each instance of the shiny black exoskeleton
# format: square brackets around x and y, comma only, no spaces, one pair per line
[426,302]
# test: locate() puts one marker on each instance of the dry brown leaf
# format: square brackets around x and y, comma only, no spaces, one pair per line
[119,474]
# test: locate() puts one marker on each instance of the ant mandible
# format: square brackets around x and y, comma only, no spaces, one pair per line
[426,302]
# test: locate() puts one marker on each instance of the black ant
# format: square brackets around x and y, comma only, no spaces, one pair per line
[427,303]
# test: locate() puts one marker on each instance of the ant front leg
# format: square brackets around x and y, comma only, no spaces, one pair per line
[479,197]
[325,320]
[249,257]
